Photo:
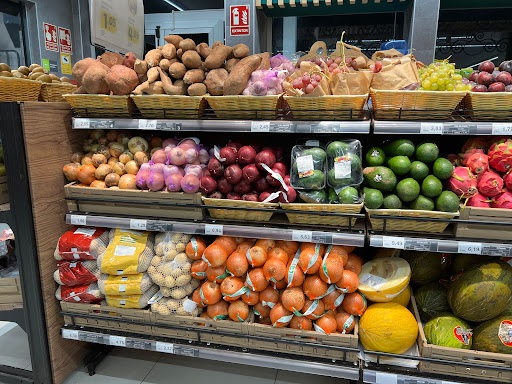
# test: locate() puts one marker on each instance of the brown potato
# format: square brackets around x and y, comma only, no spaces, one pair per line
[140,66]
[177,70]
[230,64]
[240,74]
[174,40]
[169,51]
[153,74]
[196,89]
[191,59]
[165,64]
[203,49]
[240,51]
[193,76]
[215,81]
[217,43]
[218,56]
[153,57]
[179,53]
[187,45]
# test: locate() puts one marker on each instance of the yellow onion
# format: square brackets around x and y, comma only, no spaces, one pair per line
[119,169]
[113,161]
[137,144]
[71,171]
[112,179]
[140,158]
[123,138]
[112,135]
[98,159]
[97,134]
[127,182]
[77,157]
[87,159]
[114,187]
[103,140]
[86,174]
[131,167]
[125,157]
[102,171]
[115,149]
[98,184]
[103,150]
[154,150]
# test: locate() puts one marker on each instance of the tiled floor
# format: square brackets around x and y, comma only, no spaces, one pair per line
[18,353]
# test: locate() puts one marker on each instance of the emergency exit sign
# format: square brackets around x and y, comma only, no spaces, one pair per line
[239,20]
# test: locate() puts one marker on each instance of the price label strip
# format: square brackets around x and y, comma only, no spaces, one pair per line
[184,351]
[117,341]
[324,238]
[470,248]
[260,126]
[164,347]
[460,129]
[158,226]
[211,229]
[79,123]
[167,126]
[78,220]
[497,250]
[140,225]
[385,378]
[140,344]
[70,334]
[147,124]
[304,236]
[282,127]
[393,242]
[431,128]
[421,245]
[501,128]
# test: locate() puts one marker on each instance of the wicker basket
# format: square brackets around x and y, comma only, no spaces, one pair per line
[101,105]
[398,225]
[232,214]
[324,220]
[169,106]
[489,105]
[414,104]
[15,89]
[330,107]
[244,107]
[53,92]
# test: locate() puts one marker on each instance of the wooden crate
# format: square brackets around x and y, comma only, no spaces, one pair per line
[481,231]
[4,191]
[493,361]
[279,337]
[10,290]
[81,311]
[146,202]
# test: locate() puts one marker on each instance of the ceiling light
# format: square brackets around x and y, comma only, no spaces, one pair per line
[174,5]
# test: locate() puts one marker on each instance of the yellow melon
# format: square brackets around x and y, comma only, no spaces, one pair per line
[388,327]
[404,297]
[381,280]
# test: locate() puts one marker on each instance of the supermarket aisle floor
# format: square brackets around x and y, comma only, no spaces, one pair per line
[18,353]
[129,366]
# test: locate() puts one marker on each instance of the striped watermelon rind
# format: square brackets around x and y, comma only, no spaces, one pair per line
[494,335]
[431,300]
[448,331]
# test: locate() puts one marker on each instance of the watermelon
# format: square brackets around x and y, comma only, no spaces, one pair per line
[431,300]
[425,266]
[481,292]
[494,335]
[447,330]
[463,261]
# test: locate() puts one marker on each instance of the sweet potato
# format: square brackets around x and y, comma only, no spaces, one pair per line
[196,89]
[191,59]
[140,66]
[121,80]
[93,81]
[215,81]
[179,53]
[265,60]
[165,64]
[174,40]
[203,49]
[178,88]
[230,64]
[187,45]
[169,51]
[240,51]
[240,74]
[177,70]
[217,43]
[193,76]
[153,74]
[155,88]
[142,78]
[81,67]
[218,56]
[110,59]
[153,57]
[129,60]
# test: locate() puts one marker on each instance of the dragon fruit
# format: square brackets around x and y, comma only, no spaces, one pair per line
[474,143]
[507,179]
[463,182]
[476,160]
[456,160]
[500,155]
[479,200]
[490,183]
[503,200]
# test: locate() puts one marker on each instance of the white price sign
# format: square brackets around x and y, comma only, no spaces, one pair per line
[501,128]
[260,126]
[147,124]
[471,248]
[431,128]
[164,347]
[81,123]
[70,334]
[117,341]
[78,220]
[393,242]
[304,236]
[211,229]
[138,224]
[386,378]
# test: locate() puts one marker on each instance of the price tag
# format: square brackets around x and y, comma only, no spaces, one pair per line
[431,128]
[138,224]
[501,128]
[147,124]
[393,242]
[471,248]
[78,220]
[108,22]
[211,229]
[305,236]
[70,334]
[305,165]
[81,123]
[164,347]
[117,341]
[133,34]
[260,126]
[386,378]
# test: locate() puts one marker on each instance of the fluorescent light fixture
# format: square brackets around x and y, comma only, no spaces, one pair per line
[174,5]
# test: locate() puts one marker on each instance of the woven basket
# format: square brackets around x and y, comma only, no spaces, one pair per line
[410,225]
[414,104]
[244,107]
[232,214]
[329,107]
[52,92]
[101,105]
[15,89]
[324,220]
[170,106]
[489,105]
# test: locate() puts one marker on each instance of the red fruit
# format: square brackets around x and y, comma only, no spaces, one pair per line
[266,157]
[479,88]
[207,184]
[484,78]
[272,180]
[473,76]
[474,143]
[476,160]
[287,180]
[224,186]
[264,195]
[462,182]
[500,156]
[504,77]
[215,168]
[250,173]
[494,74]
[497,87]
[250,197]
[486,66]
[287,196]
[507,179]
[216,195]
[454,159]
[378,66]
[490,184]
[478,200]
[235,144]
[261,184]
[503,200]
[234,196]
[246,155]
[508,88]
[233,174]
[243,187]
[228,153]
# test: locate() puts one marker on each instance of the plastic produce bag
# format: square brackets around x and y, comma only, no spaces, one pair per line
[124,285]
[344,163]
[88,293]
[131,301]
[314,197]
[308,167]
[169,244]
[168,306]
[263,83]
[73,273]
[82,244]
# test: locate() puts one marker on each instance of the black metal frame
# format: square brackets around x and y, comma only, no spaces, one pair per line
[20,219]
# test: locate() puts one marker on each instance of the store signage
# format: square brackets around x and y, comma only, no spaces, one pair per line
[65,40]
[50,37]
[65,64]
[239,20]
